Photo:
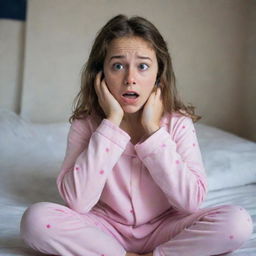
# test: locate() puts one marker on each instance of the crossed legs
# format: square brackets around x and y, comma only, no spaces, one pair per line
[57,230]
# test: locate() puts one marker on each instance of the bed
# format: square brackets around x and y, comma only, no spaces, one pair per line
[31,155]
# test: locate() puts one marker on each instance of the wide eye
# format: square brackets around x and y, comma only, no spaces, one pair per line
[117,66]
[143,66]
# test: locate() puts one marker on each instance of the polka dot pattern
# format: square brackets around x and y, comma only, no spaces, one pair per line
[184,127]
[193,144]
[101,172]
[48,226]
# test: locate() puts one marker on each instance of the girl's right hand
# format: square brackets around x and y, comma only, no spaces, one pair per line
[108,103]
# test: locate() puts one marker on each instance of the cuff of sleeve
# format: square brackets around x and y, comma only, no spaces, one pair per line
[113,133]
[161,138]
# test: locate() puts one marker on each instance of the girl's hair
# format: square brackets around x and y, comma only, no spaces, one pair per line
[86,102]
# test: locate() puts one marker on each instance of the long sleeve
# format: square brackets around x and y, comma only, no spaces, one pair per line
[176,165]
[90,157]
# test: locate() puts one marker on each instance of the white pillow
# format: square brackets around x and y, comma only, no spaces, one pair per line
[26,142]
[229,160]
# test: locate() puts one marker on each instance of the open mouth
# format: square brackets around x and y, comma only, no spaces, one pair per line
[131,95]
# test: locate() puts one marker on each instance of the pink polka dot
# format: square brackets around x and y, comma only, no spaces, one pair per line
[101,171]
[183,126]
[193,131]
[163,145]
[77,168]
[194,144]
[48,226]
[231,237]
[107,149]
[96,223]
[177,161]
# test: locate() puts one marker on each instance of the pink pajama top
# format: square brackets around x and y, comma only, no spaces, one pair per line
[104,173]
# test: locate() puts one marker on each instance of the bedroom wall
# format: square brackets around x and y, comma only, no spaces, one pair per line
[210,43]
[12,34]
[249,128]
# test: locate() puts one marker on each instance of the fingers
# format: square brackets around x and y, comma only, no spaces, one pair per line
[159,94]
[157,98]
[97,79]
[104,87]
[107,101]
[156,94]
[97,83]
[101,88]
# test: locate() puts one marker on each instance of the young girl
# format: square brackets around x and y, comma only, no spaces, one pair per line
[133,178]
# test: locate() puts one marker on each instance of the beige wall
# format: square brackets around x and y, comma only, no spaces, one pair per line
[212,44]
[11,63]
[248,128]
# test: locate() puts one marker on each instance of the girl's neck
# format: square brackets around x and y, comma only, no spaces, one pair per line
[132,119]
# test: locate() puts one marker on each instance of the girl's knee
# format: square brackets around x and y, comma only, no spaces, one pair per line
[32,220]
[238,223]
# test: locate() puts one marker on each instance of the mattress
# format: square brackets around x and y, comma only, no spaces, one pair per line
[31,156]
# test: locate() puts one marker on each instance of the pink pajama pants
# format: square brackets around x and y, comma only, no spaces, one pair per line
[57,230]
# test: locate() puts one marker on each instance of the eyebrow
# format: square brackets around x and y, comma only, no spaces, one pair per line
[122,57]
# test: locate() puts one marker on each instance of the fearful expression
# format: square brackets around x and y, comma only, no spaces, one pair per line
[130,70]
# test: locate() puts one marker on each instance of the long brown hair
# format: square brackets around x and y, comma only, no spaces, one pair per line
[86,102]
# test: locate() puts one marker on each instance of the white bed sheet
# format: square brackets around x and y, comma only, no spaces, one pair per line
[31,156]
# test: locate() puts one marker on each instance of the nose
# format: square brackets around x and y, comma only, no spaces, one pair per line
[129,77]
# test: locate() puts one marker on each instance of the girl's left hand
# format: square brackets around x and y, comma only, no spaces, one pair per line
[152,112]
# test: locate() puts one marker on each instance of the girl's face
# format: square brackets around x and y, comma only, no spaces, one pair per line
[130,65]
